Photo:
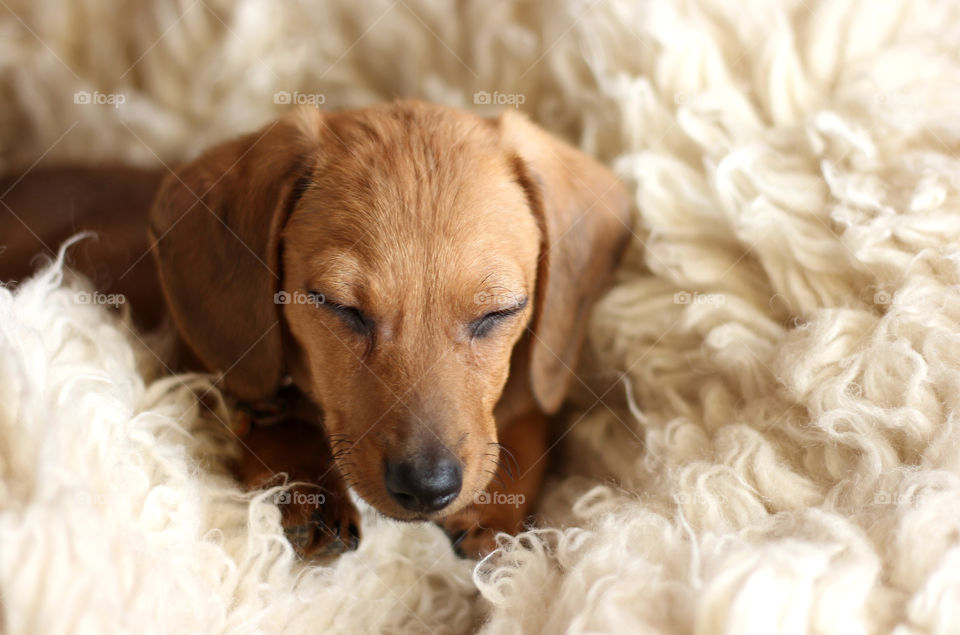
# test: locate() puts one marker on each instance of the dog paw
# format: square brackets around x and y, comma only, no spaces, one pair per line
[319,525]
[469,537]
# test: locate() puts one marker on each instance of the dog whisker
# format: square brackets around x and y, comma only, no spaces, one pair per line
[494,476]
[496,459]
[509,454]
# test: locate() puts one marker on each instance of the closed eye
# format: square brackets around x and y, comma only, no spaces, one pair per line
[484,326]
[349,315]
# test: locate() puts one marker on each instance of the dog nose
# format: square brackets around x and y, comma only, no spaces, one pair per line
[424,484]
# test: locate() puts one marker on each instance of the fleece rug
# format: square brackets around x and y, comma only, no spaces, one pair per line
[778,445]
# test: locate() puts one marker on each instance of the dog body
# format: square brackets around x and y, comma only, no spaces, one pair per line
[421,274]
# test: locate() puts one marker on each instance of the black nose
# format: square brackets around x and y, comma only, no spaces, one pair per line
[424,484]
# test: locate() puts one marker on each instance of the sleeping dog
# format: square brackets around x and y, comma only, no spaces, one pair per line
[411,283]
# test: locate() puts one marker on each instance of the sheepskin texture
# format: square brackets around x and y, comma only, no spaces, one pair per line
[780,447]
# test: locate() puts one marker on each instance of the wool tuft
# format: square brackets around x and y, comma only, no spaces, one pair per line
[779,445]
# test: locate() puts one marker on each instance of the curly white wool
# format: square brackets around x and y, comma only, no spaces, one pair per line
[787,317]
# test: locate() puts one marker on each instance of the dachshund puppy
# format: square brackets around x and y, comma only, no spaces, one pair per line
[416,277]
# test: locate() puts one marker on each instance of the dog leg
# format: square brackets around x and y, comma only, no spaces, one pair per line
[509,498]
[319,519]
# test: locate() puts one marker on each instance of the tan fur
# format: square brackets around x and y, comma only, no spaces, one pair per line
[426,219]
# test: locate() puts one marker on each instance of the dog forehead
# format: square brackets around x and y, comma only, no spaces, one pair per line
[424,190]
[384,264]
[405,192]
[388,257]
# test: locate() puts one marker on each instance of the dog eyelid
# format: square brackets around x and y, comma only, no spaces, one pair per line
[354,318]
[350,315]
[484,325]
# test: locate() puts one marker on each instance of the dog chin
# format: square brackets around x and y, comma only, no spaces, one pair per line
[403,515]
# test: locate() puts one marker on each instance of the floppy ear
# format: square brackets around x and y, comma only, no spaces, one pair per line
[584,216]
[215,227]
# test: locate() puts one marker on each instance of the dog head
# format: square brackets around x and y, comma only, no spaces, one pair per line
[399,263]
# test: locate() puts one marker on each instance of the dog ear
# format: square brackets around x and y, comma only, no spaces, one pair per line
[584,216]
[214,228]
